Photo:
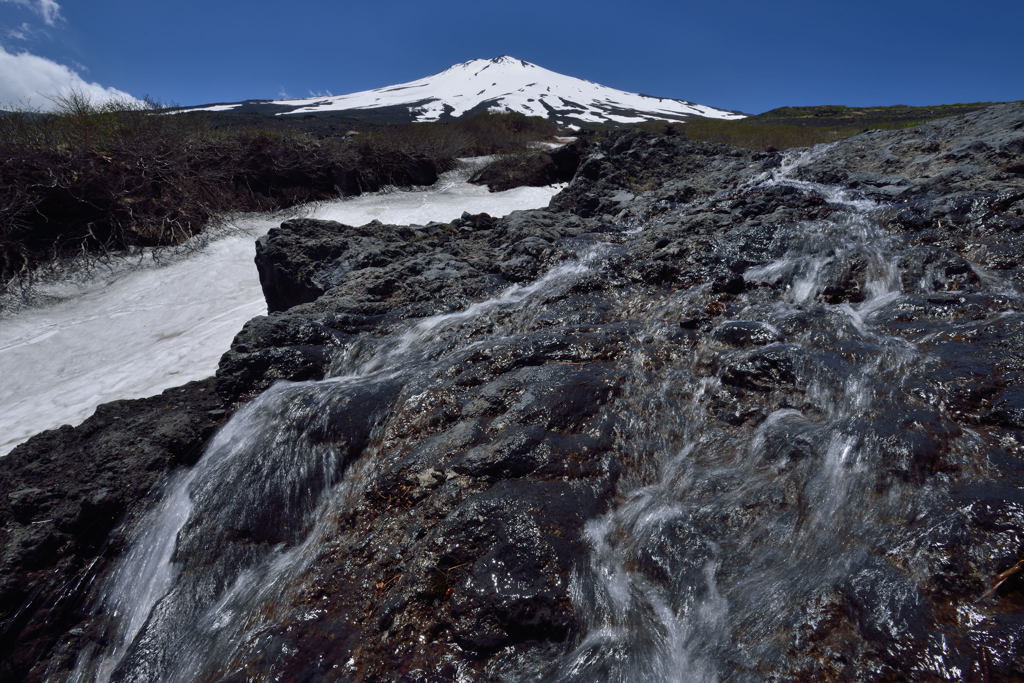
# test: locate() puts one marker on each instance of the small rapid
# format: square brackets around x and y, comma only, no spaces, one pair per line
[231,533]
[651,597]
[690,443]
[729,542]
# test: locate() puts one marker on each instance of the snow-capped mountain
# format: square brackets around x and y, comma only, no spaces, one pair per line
[500,84]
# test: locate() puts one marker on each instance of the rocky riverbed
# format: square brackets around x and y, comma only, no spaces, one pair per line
[714,414]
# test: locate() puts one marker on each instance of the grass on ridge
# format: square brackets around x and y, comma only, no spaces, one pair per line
[788,127]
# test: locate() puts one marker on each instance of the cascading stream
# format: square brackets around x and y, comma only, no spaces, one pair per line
[688,579]
[173,623]
[731,529]
[229,532]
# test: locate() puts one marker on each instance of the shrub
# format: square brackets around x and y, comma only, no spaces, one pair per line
[476,135]
[92,179]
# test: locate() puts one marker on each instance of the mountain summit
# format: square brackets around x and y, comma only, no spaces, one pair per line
[500,84]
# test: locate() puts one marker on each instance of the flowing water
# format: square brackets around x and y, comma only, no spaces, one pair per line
[723,543]
[268,477]
[689,578]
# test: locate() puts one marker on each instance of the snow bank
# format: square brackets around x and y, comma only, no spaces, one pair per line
[135,333]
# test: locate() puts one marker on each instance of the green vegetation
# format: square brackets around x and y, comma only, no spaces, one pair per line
[833,114]
[91,180]
[803,126]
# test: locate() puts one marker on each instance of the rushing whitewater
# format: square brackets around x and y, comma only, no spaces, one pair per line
[712,415]
[137,331]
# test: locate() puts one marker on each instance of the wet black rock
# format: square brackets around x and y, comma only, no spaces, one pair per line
[782,426]
[763,369]
[64,497]
[1008,408]
[746,333]
[534,169]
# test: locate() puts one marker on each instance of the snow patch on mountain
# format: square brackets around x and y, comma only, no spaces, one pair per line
[506,84]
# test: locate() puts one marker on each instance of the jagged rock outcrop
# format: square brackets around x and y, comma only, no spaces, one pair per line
[754,415]
[534,169]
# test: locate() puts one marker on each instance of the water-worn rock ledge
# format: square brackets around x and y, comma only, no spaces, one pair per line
[454,556]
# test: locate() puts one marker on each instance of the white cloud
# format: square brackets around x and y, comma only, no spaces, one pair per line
[28,81]
[23,32]
[49,10]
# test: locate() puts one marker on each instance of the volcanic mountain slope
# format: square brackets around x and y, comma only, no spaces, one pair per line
[501,84]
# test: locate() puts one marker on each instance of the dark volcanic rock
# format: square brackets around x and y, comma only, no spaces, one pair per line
[947,157]
[781,427]
[64,496]
[286,257]
[531,168]
[534,169]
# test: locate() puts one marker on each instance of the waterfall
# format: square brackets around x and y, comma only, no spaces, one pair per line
[687,581]
[231,532]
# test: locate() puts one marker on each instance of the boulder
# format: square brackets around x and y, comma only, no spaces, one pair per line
[534,169]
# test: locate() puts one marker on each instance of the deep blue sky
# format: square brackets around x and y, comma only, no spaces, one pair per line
[750,56]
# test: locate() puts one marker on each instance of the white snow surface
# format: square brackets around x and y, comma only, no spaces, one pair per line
[212,107]
[512,85]
[137,331]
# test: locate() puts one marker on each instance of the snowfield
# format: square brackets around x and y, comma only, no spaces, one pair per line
[135,332]
[505,84]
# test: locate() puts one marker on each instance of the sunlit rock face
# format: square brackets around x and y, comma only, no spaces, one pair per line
[713,414]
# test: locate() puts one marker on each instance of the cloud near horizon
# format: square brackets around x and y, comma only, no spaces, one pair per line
[28,81]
